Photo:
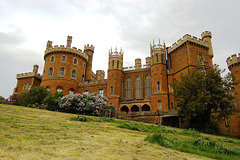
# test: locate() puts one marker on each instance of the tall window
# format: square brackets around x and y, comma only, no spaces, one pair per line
[117,64]
[159,105]
[25,86]
[73,74]
[112,63]
[61,72]
[138,87]
[147,86]
[100,91]
[71,91]
[59,89]
[52,59]
[111,92]
[128,88]
[200,57]
[158,86]
[75,61]
[63,58]
[50,72]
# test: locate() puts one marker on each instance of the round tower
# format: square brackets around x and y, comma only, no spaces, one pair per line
[89,50]
[115,77]
[159,97]
[64,67]
[207,36]
[233,63]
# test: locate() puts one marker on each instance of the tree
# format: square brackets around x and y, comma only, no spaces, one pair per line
[2,99]
[34,95]
[203,96]
[13,99]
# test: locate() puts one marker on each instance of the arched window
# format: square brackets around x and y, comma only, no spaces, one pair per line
[59,89]
[63,58]
[112,63]
[128,88]
[50,72]
[73,74]
[158,86]
[111,91]
[124,109]
[117,64]
[75,61]
[138,87]
[159,105]
[52,59]
[71,91]
[135,108]
[25,86]
[61,72]
[147,86]
[145,107]
[48,88]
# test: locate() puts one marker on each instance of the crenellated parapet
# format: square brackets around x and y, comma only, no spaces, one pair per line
[88,48]
[115,59]
[189,38]
[206,34]
[233,60]
[28,74]
[100,74]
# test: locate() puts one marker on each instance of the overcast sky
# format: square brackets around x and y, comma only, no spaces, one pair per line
[27,25]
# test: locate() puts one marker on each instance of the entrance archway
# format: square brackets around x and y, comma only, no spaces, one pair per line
[145,107]
[135,108]
[124,109]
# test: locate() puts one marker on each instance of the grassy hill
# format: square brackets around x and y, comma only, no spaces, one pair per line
[27,133]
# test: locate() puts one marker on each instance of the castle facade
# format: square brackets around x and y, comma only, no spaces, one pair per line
[140,91]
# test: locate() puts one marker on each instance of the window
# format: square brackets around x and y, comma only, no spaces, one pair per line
[112,63]
[84,66]
[75,61]
[128,88]
[200,57]
[71,91]
[227,122]
[82,77]
[111,90]
[52,59]
[50,72]
[147,86]
[138,87]
[63,58]
[117,64]
[159,105]
[158,86]
[100,92]
[85,92]
[48,88]
[59,89]
[61,72]
[73,74]
[25,86]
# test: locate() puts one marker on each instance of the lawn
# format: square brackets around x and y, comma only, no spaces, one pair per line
[27,133]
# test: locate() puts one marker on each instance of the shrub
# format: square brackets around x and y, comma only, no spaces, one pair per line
[2,99]
[52,102]
[14,99]
[71,103]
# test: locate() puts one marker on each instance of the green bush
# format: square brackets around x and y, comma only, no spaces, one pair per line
[52,102]
[2,99]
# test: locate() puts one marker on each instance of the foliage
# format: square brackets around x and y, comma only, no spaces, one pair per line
[163,141]
[13,99]
[200,94]
[33,96]
[88,104]
[84,118]
[2,99]
[190,132]
[52,102]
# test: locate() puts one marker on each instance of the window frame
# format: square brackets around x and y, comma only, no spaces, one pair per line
[60,72]
[65,58]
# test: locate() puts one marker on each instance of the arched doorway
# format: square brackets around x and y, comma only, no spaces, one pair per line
[145,107]
[124,109]
[135,108]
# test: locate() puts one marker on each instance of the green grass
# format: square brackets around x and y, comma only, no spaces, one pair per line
[33,134]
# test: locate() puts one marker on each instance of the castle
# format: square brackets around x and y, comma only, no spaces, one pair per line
[140,92]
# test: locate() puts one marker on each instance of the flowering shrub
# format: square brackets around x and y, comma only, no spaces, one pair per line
[88,104]
[13,99]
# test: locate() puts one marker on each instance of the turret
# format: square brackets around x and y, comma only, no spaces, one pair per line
[148,62]
[49,44]
[115,60]
[158,54]
[35,69]
[89,50]
[206,36]
[100,74]
[138,63]
[69,41]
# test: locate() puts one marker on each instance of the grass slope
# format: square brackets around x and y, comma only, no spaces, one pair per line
[27,133]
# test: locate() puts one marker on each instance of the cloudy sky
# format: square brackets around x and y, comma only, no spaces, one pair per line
[27,25]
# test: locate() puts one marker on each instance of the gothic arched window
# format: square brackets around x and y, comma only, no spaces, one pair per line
[138,87]
[61,72]
[128,88]
[147,86]
[73,74]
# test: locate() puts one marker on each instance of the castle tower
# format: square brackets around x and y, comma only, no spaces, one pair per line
[115,77]
[64,67]
[148,62]
[138,63]
[100,75]
[207,36]
[159,98]
[89,50]
[35,69]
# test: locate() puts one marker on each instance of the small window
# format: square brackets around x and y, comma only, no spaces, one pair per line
[50,72]
[86,92]
[48,88]
[159,105]
[73,74]
[158,86]
[227,123]
[71,91]
[63,58]
[83,78]
[25,86]
[100,92]
[52,59]
[200,57]
[75,61]
[61,72]
[59,89]
[111,90]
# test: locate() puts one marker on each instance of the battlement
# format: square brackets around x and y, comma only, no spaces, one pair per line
[89,47]
[157,47]
[116,54]
[62,48]
[189,38]
[27,75]
[206,34]
[233,60]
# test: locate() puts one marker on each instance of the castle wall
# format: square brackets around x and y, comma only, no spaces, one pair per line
[93,87]
[21,83]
